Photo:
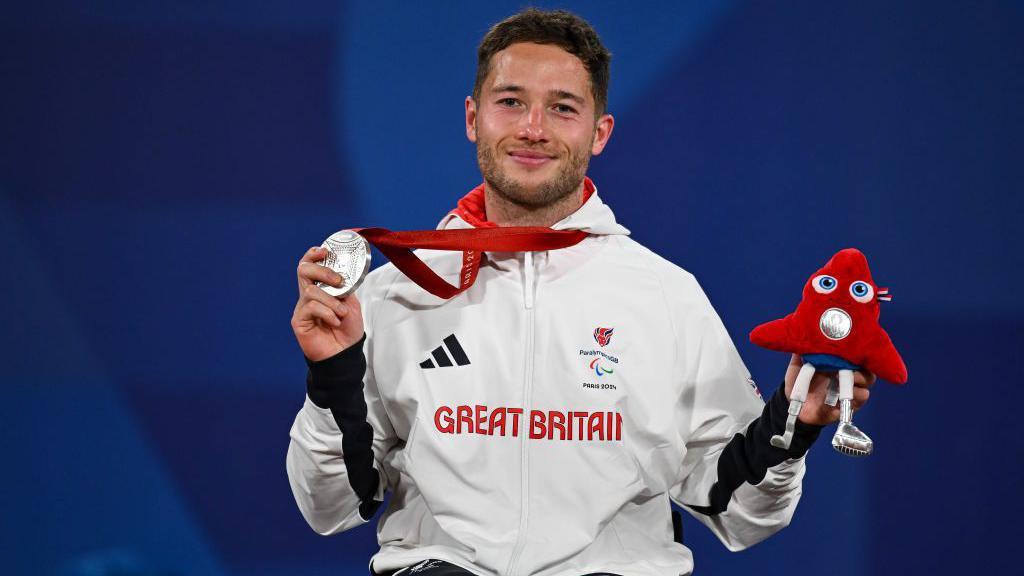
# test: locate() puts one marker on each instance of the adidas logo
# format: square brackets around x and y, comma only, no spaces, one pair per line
[443,357]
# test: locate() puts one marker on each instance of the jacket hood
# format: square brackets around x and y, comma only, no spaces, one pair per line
[594,216]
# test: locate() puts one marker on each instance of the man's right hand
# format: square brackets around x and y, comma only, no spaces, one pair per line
[324,325]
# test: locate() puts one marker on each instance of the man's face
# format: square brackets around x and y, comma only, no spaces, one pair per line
[534,125]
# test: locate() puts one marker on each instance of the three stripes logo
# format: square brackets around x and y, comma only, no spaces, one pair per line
[442,356]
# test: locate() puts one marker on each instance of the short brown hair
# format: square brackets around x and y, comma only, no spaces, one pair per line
[563,29]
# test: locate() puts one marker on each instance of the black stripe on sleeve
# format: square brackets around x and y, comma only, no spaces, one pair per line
[747,458]
[336,383]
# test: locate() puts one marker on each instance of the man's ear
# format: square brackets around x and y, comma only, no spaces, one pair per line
[602,132]
[471,119]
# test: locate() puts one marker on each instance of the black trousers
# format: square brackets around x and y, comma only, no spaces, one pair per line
[442,568]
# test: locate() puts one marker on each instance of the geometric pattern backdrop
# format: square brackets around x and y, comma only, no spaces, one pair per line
[163,166]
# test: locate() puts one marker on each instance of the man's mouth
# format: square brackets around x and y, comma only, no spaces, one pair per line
[530,157]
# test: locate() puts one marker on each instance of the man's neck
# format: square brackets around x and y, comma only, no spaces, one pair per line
[504,212]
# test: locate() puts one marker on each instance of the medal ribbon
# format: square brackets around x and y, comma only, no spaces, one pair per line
[397,247]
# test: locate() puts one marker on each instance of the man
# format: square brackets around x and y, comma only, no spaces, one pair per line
[541,421]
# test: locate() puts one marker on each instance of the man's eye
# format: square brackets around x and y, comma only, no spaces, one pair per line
[508,102]
[565,109]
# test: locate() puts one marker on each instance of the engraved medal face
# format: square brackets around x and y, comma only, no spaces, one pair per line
[835,324]
[348,254]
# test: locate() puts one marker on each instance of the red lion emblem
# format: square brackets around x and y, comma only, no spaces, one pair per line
[603,335]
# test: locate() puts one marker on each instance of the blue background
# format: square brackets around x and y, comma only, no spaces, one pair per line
[164,165]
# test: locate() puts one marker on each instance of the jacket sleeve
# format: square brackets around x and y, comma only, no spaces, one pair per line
[338,440]
[732,480]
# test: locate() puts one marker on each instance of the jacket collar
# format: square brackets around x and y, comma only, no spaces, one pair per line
[594,216]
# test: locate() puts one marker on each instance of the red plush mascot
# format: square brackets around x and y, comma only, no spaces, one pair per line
[835,328]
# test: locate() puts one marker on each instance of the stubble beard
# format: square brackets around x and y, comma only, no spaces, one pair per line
[545,194]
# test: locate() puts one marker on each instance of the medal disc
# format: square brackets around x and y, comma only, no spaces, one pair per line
[835,324]
[348,254]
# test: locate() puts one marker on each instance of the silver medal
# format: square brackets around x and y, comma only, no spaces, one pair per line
[835,324]
[348,254]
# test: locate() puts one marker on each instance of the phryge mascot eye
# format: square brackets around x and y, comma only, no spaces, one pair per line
[835,329]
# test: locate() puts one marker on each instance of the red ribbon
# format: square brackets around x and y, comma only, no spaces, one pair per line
[397,247]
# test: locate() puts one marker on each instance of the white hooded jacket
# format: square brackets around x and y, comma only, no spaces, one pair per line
[540,422]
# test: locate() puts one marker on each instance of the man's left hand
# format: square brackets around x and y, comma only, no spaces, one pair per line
[815,411]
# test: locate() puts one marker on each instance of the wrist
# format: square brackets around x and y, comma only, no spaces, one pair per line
[337,376]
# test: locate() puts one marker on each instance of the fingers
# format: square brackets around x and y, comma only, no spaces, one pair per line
[313,292]
[309,272]
[860,397]
[314,309]
[314,254]
[864,379]
[819,382]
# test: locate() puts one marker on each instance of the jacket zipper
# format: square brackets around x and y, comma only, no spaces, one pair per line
[524,505]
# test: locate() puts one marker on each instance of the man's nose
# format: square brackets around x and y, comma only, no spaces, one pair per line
[531,124]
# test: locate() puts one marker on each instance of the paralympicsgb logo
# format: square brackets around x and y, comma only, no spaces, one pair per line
[603,335]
